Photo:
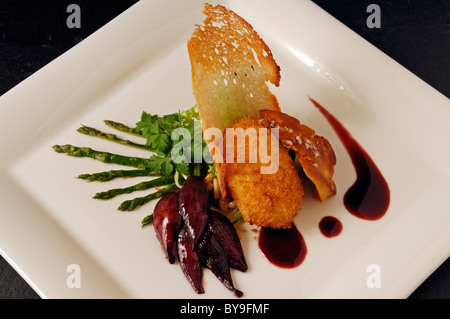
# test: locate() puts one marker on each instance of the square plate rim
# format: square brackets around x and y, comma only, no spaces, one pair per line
[67,56]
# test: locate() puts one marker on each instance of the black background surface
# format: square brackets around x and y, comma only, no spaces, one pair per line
[415,33]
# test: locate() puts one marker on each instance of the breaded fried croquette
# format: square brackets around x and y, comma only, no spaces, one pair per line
[268,200]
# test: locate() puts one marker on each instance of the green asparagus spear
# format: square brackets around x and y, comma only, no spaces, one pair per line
[105,157]
[161,181]
[110,137]
[147,220]
[122,128]
[129,205]
[109,175]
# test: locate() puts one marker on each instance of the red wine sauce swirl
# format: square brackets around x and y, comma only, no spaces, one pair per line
[369,197]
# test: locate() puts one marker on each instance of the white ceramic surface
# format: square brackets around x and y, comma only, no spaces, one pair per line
[139,61]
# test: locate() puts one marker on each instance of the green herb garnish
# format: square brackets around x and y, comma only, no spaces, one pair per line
[161,138]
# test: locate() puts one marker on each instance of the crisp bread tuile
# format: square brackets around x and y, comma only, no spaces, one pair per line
[230,66]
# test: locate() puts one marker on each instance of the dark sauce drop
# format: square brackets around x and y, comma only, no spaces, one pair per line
[284,248]
[368,198]
[330,226]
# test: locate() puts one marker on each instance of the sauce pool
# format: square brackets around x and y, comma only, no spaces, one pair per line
[330,226]
[284,248]
[368,198]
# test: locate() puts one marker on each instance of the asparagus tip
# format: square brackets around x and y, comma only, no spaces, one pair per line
[57,148]
[147,220]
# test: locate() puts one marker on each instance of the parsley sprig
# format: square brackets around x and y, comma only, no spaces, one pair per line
[158,132]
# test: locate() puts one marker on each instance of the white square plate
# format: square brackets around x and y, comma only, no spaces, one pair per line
[139,61]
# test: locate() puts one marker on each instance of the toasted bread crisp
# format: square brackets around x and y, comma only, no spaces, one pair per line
[230,66]
[315,154]
[268,200]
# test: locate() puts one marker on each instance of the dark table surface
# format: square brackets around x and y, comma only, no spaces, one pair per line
[415,33]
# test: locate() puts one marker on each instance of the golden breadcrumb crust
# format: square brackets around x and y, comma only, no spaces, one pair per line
[263,199]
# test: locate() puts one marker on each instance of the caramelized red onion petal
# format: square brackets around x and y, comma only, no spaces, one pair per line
[189,261]
[226,234]
[167,223]
[194,206]
[213,256]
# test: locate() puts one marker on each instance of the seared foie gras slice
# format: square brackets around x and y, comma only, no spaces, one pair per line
[315,153]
